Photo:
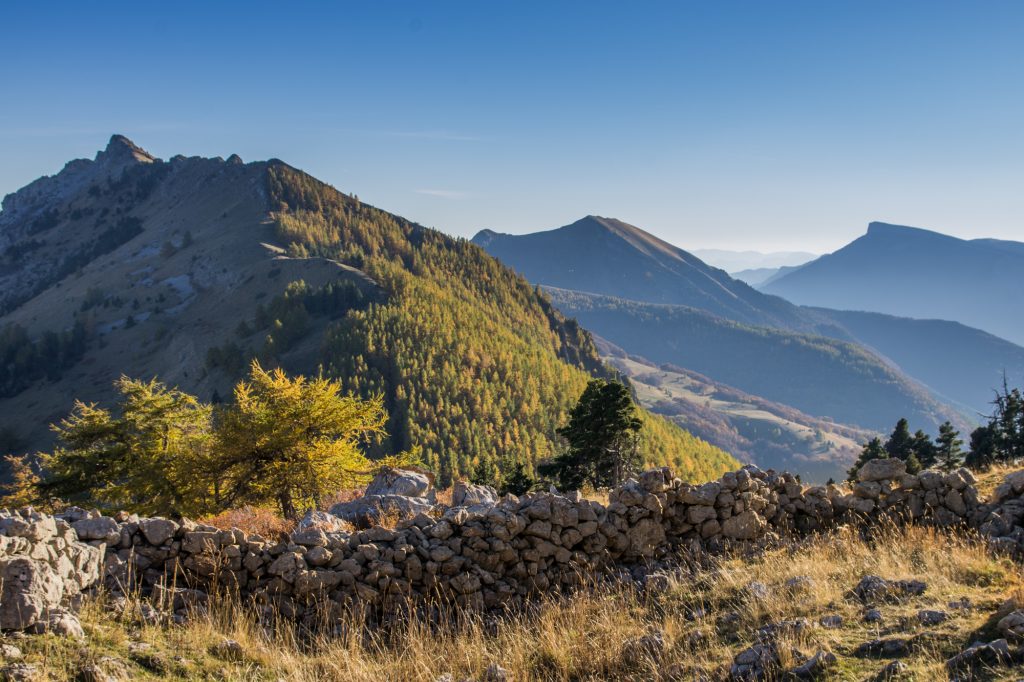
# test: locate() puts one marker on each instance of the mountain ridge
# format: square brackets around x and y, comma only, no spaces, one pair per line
[915,272]
[187,268]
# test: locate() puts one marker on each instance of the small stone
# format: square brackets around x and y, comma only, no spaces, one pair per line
[229,650]
[931,617]
[1012,625]
[885,648]
[873,616]
[495,673]
[10,652]
[19,672]
[815,666]
[892,671]
[649,647]
[831,622]
[106,669]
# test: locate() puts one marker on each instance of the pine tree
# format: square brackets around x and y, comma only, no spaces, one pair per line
[901,446]
[873,449]
[517,481]
[603,438]
[948,451]
[485,473]
[925,451]
[982,454]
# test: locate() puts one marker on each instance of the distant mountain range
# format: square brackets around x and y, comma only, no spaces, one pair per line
[657,301]
[187,269]
[917,273]
[736,261]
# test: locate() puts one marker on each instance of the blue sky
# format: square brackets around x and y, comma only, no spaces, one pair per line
[766,125]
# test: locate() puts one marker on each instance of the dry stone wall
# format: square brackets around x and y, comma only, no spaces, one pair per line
[483,554]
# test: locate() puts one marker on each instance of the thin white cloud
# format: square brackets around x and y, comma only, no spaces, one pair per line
[442,193]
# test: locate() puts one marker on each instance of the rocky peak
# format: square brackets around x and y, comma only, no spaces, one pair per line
[121,150]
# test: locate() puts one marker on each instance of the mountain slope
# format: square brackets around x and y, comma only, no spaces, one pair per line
[918,273]
[188,268]
[624,266]
[961,363]
[814,374]
[751,427]
[607,256]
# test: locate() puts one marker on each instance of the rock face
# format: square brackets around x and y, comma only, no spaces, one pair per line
[42,566]
[481,553]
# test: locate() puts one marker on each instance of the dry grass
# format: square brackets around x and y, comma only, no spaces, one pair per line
[988,480]
[706,617]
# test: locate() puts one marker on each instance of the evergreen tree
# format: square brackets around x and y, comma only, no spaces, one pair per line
[603,439]
[485,473]
[873,449]
[982,454]
[901,446]
[948,451]
[925,450]
[517,481]
[1008,421]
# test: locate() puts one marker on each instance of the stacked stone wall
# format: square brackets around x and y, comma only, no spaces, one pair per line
[484,555]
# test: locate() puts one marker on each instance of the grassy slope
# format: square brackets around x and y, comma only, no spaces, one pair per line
[588,637]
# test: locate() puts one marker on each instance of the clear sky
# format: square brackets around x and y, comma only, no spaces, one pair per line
[765,125]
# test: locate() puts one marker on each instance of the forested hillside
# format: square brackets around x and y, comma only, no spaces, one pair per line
[473,361]
[227,261]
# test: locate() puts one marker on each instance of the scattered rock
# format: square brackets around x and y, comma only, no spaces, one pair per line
[831,622]
[931,617]
[1012,626]
[495,673]
[229,650]
[980,653]
[814,667]
[106,669]
[892,671]
[872,588]
[19,672]
[60,622]
[649,647]
[873,616]
[758,662]
[883,648]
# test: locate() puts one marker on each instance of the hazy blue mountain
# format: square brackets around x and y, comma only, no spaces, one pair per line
[732,261]
[912,272]
[609,257]
[759,277]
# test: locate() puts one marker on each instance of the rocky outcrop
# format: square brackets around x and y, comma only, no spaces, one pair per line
[393,493]
[43,565]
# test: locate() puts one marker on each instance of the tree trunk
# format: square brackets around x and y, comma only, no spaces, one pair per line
[287,505]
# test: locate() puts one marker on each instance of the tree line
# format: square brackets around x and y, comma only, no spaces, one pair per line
[1000,440]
